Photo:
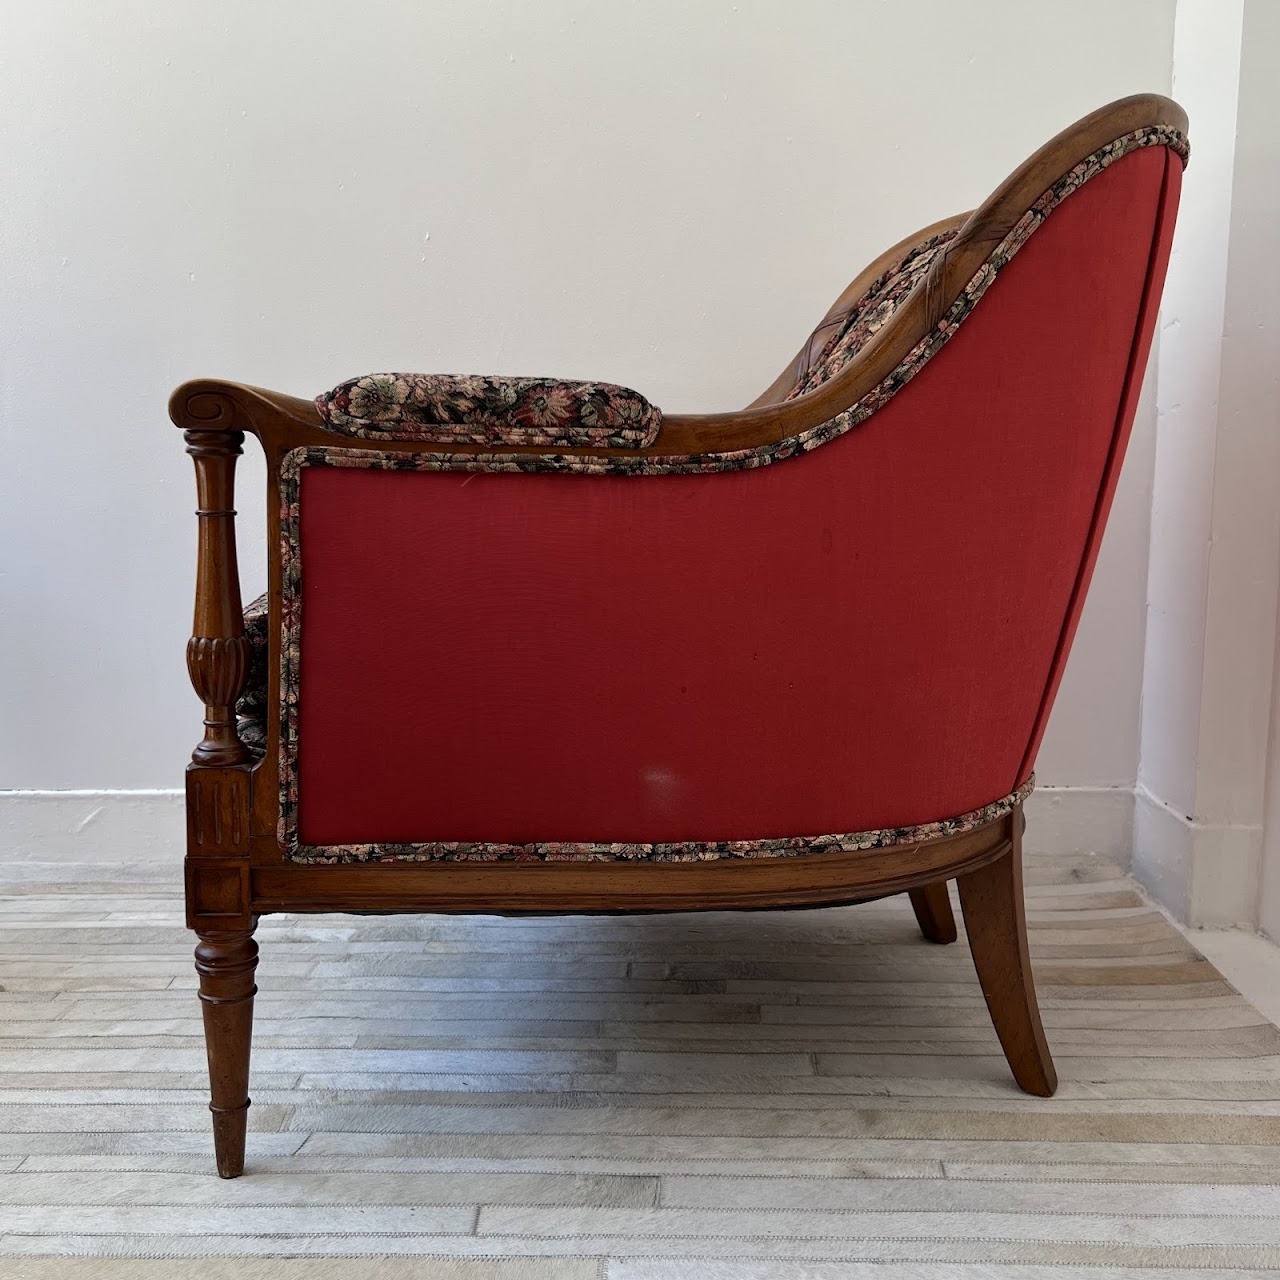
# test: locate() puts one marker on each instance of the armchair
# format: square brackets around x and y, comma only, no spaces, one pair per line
[535,646]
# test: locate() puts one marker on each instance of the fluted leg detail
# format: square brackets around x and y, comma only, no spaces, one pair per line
[226,964]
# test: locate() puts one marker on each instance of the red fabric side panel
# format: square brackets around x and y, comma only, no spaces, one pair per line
[861,637]
[1162,243]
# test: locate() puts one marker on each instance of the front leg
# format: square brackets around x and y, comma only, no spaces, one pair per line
[218,779]
[226,963]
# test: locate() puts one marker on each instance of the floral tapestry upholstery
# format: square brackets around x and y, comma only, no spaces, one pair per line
[470,409]
[251,709]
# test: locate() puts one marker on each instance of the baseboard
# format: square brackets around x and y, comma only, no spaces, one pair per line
[112,826]
[92,826]
[1206,874]
[1081,820]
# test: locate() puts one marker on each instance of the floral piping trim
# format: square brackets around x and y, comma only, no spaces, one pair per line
[472,409]
[683,851]
[730,460]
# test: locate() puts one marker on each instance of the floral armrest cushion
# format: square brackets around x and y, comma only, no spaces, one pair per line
[444,409]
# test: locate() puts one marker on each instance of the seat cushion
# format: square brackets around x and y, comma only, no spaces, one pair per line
[251,709]
[445,409]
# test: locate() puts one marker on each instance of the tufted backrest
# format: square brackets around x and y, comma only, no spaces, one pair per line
[841,336]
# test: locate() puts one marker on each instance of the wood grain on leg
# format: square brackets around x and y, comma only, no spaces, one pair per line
[995,920]
[225,963]
[932,906]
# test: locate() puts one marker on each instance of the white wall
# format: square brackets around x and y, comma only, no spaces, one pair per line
[661,193]
[1206,74]
[1251,361]
[1215,528]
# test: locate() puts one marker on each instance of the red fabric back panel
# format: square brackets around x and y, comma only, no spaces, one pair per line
[865,636]
[1162,242]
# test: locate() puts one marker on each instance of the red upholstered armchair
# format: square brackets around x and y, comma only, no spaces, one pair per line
[533,646]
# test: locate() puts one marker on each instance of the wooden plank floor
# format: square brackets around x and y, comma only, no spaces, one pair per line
[722,1097]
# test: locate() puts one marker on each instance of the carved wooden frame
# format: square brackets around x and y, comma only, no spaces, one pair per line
[235,868]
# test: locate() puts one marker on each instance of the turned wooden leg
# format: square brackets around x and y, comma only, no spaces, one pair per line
[225,963]
[995,920]
[932,906]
